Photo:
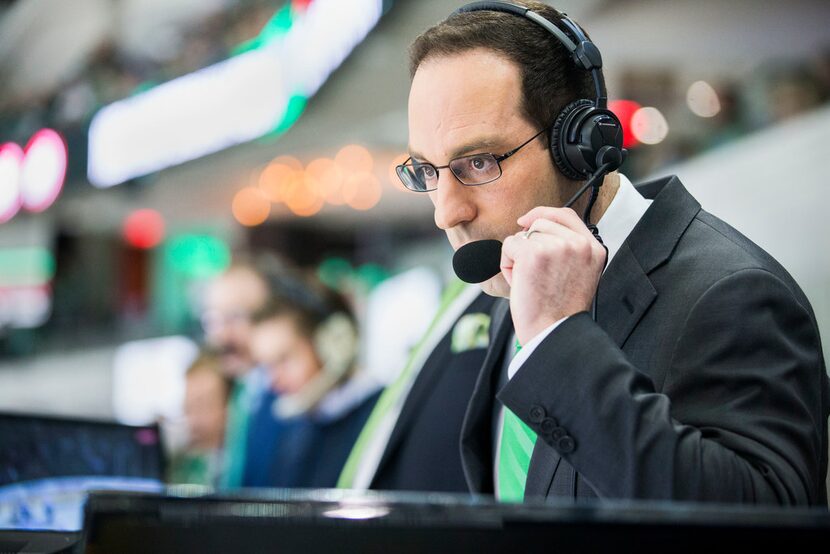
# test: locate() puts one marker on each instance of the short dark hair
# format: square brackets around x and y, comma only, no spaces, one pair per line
[550,77]
[210,362]
[304,299]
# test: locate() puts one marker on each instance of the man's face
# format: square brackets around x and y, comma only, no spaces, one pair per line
[205,402]
[470,103]
[287,355]
[231,300]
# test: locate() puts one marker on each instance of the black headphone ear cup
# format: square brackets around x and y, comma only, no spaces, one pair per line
[559,135]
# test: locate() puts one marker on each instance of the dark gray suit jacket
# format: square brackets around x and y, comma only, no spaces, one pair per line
[702,379]
[422,452]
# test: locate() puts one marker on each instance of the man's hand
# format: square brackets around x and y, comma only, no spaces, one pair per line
[553,269]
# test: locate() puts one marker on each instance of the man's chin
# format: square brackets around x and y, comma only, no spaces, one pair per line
[496,286]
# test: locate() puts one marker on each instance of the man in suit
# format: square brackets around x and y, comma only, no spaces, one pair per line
[679,361]
[410,442]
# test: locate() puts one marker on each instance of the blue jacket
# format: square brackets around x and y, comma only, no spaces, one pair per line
[307,451]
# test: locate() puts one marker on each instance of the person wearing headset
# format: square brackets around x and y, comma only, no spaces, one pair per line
[305,338]
[670,359]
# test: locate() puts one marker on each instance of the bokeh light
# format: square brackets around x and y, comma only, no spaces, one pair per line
[362,191]
[250,206]
[327,177]
[649,126]
[290,161]
[43,171]
[355,159]
[335,272]
[624,110]
[26,267]
[345,179]
[371,275]
[304,200]
[11,158]
[300,5]
[702,99]
[277,179]
[198,256]
[144,229]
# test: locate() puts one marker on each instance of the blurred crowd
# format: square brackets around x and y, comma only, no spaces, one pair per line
[770,93]
[118,69]
[275,397]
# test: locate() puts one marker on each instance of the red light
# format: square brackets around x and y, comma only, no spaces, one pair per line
[300,5]
[144,229]
[624,110]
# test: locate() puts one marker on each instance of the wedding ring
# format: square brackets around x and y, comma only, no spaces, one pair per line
[526,234]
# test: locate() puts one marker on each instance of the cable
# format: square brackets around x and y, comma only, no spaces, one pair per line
[594,183]
[591,182]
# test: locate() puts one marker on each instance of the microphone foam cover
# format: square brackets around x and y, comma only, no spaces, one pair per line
[475,262]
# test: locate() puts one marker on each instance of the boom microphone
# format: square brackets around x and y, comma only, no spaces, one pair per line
[475,262]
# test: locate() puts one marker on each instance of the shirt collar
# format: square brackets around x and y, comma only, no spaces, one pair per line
[622,215]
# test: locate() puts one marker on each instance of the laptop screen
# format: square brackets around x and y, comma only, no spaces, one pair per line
[48,465]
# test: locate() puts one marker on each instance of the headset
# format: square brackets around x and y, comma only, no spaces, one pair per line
[335,336]
[586,138]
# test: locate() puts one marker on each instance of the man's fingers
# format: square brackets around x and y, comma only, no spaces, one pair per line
[506,261]
[563,216]
[548,227]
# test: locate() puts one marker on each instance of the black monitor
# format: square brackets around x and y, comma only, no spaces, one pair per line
[48,465]
[327,521]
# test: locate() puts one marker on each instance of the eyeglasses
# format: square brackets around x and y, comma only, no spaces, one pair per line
[475,169]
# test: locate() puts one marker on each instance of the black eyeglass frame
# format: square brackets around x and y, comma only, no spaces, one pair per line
[408,166]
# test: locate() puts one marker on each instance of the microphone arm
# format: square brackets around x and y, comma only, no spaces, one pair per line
[595,182]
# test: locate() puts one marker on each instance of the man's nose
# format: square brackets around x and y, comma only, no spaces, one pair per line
[453,201]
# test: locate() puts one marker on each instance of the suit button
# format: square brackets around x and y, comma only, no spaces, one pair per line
[558,433]
[566,445]
[537,414]
[548,424]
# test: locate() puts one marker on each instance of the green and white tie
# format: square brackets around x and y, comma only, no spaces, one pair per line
[517,442]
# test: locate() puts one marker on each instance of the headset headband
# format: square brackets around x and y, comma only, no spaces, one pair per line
[584,53]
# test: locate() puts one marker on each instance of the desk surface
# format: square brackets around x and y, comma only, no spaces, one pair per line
[39,542]
[193,520]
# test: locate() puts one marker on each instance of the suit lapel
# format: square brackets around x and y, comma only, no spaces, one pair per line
[625,291]
[424,382]
[476,431]
[624,295]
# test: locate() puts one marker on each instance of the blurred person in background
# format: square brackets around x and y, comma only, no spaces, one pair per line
[230,301]
[306,339]
[206,395]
